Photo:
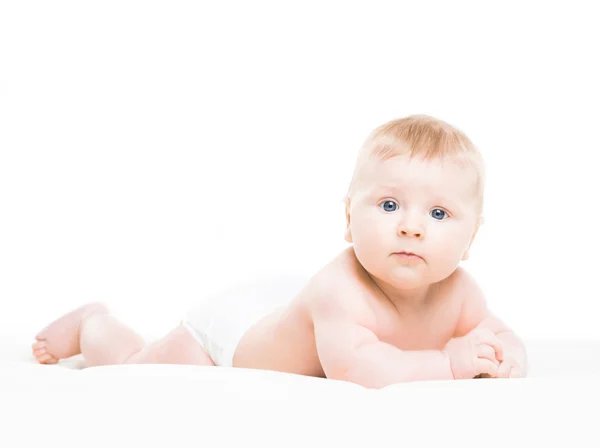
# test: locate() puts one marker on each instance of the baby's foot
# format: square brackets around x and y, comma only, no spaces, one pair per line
[60,339]
[41,353]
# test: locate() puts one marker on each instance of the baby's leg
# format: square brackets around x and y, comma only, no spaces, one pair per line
[103,340]
[177,347]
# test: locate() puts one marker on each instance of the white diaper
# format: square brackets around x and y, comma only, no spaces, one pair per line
[220,321]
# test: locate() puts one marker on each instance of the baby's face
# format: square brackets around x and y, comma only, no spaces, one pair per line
[415,206]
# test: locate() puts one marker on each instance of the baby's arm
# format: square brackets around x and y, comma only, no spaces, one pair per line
[475,314]
[349,351]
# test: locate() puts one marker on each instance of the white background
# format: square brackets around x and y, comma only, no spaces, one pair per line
[153,152]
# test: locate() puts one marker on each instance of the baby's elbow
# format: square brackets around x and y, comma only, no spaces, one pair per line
[338,366]
[355,370]
[337,369]
[362,376]
[339,373]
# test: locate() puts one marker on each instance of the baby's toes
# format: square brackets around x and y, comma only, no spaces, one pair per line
[37,345]
[47,359]
[43,357]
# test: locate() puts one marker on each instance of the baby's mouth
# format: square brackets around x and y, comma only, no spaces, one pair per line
[408,255]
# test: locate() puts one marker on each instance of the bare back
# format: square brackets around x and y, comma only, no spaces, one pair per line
[285,339]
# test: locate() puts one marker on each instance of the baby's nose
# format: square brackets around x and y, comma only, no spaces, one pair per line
[411,233]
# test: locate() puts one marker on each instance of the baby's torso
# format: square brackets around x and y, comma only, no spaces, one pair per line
[284,340]
[426,329]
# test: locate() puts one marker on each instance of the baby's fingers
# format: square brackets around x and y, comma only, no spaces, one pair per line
[486,352]
[489,338]
[504,370]
[486,366]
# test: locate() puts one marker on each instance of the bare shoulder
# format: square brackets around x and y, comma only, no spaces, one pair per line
[341,290]
[473,305]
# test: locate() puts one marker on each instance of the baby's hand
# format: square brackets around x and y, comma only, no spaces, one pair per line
[478,352]
[510,368]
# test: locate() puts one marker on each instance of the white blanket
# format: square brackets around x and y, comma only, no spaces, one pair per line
[165,405]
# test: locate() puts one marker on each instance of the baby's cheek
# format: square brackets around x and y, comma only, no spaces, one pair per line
[367,247]
[449,245]
[444,260]
[371,237]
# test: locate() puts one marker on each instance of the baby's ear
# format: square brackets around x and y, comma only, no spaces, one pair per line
[348,232]
[465,256]
[348,235]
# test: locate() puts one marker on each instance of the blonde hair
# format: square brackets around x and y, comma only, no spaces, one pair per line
[424,137]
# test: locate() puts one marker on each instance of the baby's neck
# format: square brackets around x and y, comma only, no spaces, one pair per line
[407,299]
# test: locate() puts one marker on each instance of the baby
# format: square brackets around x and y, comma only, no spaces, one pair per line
[394,306]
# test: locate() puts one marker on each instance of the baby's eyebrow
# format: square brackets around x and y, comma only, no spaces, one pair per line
[448,201]
[382,188]
[451,205]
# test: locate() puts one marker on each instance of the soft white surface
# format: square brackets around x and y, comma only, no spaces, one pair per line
[159,405]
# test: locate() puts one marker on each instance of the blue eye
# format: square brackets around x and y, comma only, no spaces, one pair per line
[388,206]
[440,213]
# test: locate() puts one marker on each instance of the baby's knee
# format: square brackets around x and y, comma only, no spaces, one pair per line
[183,345]
[177,347]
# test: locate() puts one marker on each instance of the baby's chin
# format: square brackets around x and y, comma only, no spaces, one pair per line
[405,278]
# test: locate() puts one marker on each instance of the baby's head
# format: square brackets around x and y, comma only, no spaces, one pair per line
[418,187]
